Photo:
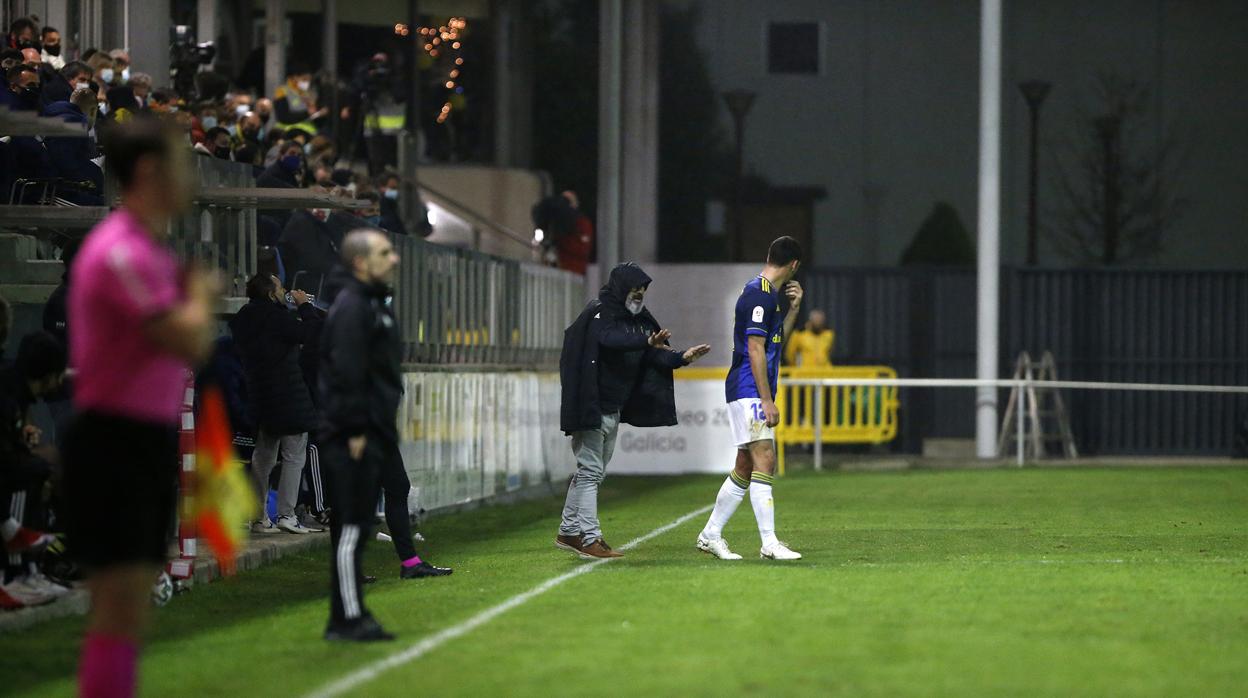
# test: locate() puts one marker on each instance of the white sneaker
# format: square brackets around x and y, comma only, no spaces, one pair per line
[290,524]
[778,551]
[40,581]
[717,547]
[264,527]
[27,593]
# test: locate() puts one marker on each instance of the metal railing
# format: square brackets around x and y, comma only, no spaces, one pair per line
[464,307]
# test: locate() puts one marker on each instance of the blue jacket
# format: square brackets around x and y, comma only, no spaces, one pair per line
[71,157]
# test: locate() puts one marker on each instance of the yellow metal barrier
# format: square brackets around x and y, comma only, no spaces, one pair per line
[852,414]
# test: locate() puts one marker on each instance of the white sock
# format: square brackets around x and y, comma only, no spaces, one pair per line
[730,495]
[9,528]
[764,508]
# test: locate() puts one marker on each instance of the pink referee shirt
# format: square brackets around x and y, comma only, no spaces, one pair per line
[122,278]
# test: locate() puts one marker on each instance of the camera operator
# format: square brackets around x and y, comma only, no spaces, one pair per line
[185,58]
[377,104]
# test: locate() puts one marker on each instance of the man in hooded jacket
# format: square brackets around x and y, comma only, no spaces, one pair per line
[616,366]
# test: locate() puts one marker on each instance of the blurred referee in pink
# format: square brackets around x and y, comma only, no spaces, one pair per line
[139,322]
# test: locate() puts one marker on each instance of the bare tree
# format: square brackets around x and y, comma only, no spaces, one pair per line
[1115,180]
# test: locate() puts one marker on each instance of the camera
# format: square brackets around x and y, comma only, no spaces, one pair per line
[185,57]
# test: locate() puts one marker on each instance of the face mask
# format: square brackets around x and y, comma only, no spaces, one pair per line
[173,108]
[232,130]
[106,75]
[634,306]
[304,85]
[209,122]
[53,50]
[125,76]
[81,84]
[307,148]
[27,43]
[374,221]
[241,110]
[290,163]
[392,194]
[103,107]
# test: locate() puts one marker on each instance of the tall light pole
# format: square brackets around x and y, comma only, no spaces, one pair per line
[739,103]
[1034,91]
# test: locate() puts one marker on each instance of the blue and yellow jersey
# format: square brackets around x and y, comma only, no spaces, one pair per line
[757,314]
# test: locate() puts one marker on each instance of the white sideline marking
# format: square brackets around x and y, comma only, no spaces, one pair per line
[372,671]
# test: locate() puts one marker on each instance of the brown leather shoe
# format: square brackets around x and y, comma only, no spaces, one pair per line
[571,543]
[599,548]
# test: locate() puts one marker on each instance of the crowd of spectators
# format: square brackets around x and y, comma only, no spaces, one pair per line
[285,141]
[285,137]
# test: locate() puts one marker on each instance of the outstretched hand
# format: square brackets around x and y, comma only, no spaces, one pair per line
[660,338]
[694,353]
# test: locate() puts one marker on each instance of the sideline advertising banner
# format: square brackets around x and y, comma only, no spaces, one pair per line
[700,443]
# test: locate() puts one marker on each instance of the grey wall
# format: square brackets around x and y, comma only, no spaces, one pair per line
[894,110]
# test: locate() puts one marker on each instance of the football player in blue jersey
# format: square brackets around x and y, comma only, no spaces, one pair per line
[758,341]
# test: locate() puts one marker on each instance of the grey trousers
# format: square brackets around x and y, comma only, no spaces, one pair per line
[593,451]
[293,453]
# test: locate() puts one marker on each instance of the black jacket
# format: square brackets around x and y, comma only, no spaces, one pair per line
[606,334]
[268,337]
[361,380]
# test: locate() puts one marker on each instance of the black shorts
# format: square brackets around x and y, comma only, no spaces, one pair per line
[121,490]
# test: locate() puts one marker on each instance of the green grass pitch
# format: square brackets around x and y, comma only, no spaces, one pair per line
[1002,582]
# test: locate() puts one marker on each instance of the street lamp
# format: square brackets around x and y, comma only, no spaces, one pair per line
[739,102]
[1034,91]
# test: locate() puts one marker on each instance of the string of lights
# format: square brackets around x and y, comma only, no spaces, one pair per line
[445,38]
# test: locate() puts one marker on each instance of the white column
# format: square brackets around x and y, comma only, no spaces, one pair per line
[989,224]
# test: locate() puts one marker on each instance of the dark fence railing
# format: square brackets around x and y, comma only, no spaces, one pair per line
[1151,326]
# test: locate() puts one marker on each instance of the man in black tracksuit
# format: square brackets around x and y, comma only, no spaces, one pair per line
[616,366]
[360,385]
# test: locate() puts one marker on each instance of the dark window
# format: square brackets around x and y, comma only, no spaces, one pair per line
[793,47]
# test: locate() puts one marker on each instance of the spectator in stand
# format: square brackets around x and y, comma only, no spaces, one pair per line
[576,250]
[51,40]
[130,302]
[25,463]
[62,84]
[71,158]
[141,83]
[163,101]
[388,187]
[22,33]
[287,171]
[30,56]
[371,215]
[122,104]
[269,336]
[121,64]
[321,150]
[293,103]
[264,109]
[23,88]
[273,141]
[248,131]
[102,72]
[216,144]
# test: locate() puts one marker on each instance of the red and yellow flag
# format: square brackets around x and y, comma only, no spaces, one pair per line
[223,498]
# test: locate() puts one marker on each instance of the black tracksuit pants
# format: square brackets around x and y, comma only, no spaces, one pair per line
[353,489]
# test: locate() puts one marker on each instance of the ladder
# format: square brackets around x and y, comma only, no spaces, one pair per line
[1038,415]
